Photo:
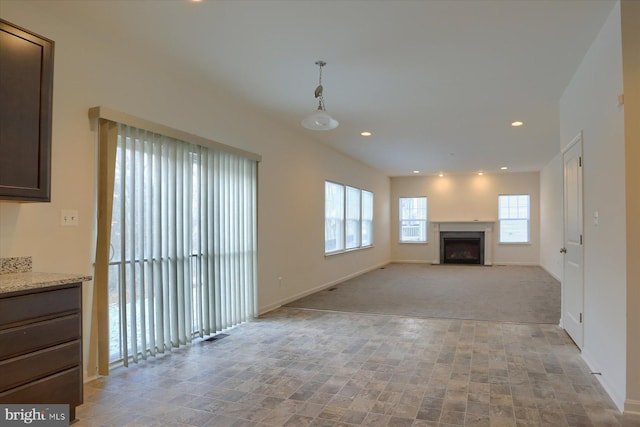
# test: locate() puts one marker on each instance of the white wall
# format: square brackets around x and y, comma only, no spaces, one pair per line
[551,208]
[466,198]
[589,103]
[101,69]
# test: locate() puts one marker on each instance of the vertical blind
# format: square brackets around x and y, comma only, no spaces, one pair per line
[183,243]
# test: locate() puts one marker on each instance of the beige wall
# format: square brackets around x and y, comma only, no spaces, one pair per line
[589,105]
[466,198]
[630,11]
[551,208]
[102,69]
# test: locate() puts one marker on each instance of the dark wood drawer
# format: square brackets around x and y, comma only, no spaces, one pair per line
[33,366]
[39,335]
[64,387]
[41,346]
[22,308]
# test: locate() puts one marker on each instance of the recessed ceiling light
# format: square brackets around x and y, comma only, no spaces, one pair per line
[517,123]
[480,173]
[416,171]
[366,133]
[504,168]
[440,174]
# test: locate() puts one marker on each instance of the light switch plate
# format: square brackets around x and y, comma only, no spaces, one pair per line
[69,218]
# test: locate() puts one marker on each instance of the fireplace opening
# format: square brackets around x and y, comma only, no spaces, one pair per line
[462,247]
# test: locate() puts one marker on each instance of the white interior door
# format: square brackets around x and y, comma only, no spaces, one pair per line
[573,276]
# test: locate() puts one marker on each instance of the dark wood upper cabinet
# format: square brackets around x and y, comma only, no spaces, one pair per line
[26,89]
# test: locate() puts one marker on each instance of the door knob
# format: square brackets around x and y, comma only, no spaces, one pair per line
[563,250]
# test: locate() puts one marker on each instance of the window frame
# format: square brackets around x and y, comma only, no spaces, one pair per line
[364,221]
[517,218]
[344,219]
[401,219]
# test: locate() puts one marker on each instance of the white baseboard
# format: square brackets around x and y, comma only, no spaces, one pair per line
[91,378]
[274,306]
[437,262]
[516,263]
[632,407]
[559,279]
[616,397]
[266,309]
[410,261]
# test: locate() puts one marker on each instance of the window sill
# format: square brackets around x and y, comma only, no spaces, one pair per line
[346,251]
[413,243]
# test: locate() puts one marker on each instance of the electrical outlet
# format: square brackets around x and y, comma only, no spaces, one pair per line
[69,218]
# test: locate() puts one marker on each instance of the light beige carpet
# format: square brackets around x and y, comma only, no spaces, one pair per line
[498,293]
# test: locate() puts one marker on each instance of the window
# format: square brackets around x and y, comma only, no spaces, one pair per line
[513,215]
[333,217]
[353,228]
[348,218]
[367,218]
[413,219]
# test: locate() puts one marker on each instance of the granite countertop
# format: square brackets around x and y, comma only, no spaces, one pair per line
[16,275]
[14,282]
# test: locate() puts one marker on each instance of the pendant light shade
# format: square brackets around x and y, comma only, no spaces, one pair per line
[320,119]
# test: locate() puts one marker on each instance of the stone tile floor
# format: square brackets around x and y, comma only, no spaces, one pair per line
[297,367]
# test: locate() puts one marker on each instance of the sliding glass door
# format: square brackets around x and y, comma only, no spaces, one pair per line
[183,243]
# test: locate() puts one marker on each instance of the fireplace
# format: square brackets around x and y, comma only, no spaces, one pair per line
[462,247]
[481,229]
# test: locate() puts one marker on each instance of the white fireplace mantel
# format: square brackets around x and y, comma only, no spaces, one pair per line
[484,226]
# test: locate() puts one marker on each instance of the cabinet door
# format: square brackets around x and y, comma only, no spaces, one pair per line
[26,86]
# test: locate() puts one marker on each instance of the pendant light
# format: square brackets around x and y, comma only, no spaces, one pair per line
[320,120]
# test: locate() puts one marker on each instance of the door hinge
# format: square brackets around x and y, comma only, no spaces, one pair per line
[580,317]
[580,161]
[581,239]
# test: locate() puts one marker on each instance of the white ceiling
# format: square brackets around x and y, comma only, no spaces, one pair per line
[437,82]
